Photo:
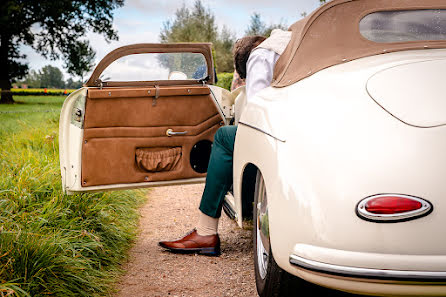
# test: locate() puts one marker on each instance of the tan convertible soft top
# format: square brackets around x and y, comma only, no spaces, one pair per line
[330,36]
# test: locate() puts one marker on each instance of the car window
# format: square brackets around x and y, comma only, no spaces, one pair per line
[156,66]
[405,25]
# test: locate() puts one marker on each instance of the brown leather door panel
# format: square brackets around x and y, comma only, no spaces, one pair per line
[125,138]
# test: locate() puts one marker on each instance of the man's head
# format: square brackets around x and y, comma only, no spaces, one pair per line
[241,51]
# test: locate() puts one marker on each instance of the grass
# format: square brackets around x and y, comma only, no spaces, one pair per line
[29,111]
[51,243]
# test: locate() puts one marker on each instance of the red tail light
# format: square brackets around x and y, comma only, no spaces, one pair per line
[392,207]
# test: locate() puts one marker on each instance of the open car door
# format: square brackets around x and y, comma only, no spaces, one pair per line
[146,117]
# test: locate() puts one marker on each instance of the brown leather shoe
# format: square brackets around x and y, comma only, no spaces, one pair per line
[194,243]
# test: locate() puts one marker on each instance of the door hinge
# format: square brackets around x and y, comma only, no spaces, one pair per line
[204,80]
[157,94]
[99,83]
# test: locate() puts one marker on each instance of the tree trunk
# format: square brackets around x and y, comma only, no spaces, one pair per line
[5,85]
[5,76]
[6,97]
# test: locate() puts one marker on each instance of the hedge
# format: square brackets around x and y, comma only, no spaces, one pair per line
[225,80]
[34,92]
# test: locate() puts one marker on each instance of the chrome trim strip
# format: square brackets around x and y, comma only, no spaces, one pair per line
[219,108]
[426,208]
[260,130]
[227,208]
[358,272]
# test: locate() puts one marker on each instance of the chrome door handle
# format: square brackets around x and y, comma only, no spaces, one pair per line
[170,132]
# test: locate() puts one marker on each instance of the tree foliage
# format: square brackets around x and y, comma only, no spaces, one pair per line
[258,27]
[72,84]
[80,60]
[223,51]
[197,24]
[55,29]
[190,25]
[32,79]
[48,77]
[51,77]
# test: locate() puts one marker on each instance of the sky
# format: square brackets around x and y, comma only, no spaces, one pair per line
[140,21]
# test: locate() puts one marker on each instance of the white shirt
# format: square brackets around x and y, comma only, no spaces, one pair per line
[259,70]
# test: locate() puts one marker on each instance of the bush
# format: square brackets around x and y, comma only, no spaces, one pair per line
[51,243]
[225,80]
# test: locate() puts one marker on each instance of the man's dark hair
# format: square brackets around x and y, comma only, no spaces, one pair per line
[242,49]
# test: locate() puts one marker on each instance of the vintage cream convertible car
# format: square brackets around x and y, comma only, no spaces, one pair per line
[347,147]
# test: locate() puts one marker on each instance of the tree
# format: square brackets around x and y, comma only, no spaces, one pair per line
[198,25]
[71,84]
[51,77]
[258,27]
[193,25]
[80,60]
[224,60]
[32,79]
[61,27]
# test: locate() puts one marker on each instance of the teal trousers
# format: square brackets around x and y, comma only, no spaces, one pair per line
[219,174]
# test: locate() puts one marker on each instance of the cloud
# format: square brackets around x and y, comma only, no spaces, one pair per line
[158,6]
[140,21]
[236,14]
[102,47]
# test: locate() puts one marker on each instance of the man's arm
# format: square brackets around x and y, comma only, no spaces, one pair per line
[259,71]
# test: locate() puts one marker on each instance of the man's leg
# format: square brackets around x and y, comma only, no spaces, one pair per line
[219,174]
[218,181]
[205,239]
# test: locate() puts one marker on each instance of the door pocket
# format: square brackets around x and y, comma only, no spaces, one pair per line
[158,159]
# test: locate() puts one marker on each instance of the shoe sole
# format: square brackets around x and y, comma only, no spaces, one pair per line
[210,251]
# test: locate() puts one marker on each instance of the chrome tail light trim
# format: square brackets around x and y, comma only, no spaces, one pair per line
[426,208]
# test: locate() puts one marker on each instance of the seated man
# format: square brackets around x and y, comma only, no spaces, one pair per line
[255,58]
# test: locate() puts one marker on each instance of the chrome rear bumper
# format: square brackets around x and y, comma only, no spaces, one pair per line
[369,273]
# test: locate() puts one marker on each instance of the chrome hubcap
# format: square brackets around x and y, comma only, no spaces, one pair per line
[262,231]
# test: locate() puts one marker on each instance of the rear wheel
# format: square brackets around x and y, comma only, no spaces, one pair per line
[271,280]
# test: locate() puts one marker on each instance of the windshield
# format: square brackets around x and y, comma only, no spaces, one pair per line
[404,25]
[157,66]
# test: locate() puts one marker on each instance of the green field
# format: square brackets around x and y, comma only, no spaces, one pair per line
[29,111]
[51,243]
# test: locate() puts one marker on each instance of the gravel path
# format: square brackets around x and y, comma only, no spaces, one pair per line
[169,213]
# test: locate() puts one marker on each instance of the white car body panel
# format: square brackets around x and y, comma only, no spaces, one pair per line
[405,99]
[239,103]
[318,165]
[70,142]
